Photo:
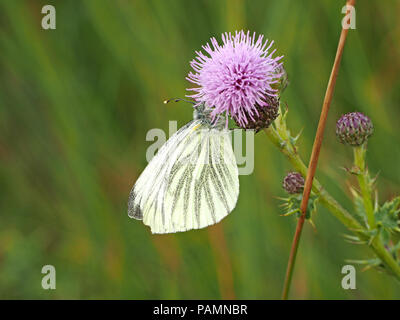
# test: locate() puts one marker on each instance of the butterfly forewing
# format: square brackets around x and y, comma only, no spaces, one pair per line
[147,186]
[192,182]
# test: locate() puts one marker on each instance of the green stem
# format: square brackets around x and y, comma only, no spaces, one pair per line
[364,183]
[284,145]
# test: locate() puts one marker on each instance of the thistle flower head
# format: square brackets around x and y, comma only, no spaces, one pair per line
[237,77]
[354,128]
[293,183]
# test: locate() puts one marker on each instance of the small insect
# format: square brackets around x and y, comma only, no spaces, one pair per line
[192,182]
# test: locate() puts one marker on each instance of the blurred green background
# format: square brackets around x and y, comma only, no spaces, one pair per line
[76,104]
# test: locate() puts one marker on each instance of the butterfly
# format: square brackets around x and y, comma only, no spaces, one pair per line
[192,182]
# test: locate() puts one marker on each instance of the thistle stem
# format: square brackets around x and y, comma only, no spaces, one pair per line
[331,204]
[326,199]
[364,183]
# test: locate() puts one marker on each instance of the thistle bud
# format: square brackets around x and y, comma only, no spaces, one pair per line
[293,183]
[354,128]
[266,115]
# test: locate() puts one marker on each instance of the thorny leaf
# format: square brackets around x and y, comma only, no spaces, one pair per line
[358,206]
[293,140]
[291,205]
[370,263]
[387,219]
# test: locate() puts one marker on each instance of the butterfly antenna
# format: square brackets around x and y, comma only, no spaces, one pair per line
[177,100]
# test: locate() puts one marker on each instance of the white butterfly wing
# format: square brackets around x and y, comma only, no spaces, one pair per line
[148,185]
[191,183]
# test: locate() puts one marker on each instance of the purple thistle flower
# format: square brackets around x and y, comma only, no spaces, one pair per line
[354,128]
[236,77]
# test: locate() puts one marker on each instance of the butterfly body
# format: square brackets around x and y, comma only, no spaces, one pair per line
[192,182]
